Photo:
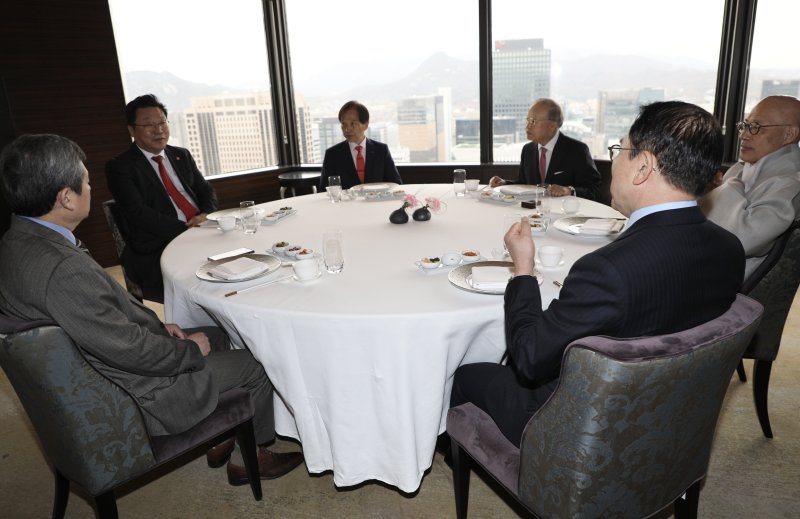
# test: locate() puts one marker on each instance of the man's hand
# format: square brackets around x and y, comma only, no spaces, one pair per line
[521,247]
[175,331]
[556,190]
[496,181]
[197,220]
[201,339]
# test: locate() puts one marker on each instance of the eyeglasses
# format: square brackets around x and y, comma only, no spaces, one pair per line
[532,122]
[754,128]
[155,126]
[614,151]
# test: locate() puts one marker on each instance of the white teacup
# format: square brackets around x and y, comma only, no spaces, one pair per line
[472,184]
[306,269]
[227,223]
[571,205]
[550,255]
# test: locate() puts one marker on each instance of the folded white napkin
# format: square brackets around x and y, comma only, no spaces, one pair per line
[239,268]
[601,226]
[490,278]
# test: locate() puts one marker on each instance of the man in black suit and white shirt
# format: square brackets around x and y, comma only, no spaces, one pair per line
[670,270]
[159,193]
[568,163]
[357,160]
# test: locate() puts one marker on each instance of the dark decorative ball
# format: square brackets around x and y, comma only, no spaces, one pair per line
[399,216]
[423,214]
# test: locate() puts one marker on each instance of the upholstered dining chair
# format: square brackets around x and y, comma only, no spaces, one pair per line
[91,430]
[626,433]
[773,284]
[110,210]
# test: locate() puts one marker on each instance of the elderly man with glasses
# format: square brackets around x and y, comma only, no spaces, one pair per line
[554,158]
[159,193]
[759,197]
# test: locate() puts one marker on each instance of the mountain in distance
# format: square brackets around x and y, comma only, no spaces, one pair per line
[174,92]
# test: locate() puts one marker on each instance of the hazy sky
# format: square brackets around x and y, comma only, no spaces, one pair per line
[173,35]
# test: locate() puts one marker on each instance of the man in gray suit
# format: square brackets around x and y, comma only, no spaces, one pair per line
[175,375]
[759,197]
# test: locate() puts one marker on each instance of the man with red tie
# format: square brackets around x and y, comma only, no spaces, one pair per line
[357,160]
[554,158]
[159,193]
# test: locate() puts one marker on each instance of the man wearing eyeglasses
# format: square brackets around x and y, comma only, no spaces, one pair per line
[670,269]
[159,193]
[759,197]
[554,158]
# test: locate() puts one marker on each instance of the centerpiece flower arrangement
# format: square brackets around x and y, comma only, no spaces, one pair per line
[422,214]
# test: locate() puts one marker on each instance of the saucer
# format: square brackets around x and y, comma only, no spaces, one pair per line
[543,267]
[319,275]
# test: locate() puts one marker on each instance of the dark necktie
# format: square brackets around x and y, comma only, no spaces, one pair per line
[184,205]
[81,246]
[543,162]
[360,164]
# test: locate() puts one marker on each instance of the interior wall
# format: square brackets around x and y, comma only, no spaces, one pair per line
[59,65]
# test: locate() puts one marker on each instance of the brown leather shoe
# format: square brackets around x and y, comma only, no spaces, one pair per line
[219,454]
[271,465]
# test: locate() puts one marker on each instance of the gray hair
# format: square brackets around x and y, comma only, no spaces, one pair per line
[34,168]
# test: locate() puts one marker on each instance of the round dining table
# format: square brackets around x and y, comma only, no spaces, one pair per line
[362,361]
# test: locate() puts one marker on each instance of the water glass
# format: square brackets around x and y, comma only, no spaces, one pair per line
[459,177]
[249,216]
[472,185]
[333,251]
[334,188]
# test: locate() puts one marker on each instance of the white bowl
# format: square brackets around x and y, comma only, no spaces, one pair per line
[304,254]
[429,264]
[292,250]
[280,248]
[470,256]
[451,258]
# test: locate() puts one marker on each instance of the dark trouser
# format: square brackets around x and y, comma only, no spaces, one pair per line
[494,389]
[238,368]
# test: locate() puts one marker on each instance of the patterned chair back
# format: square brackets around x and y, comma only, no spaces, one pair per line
[630,426]
[775,289]
[91,430]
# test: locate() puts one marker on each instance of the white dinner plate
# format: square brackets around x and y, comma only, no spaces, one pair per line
[271,261]
[224,212]
[573,224]
[374,187]
[461,277]
[521,190]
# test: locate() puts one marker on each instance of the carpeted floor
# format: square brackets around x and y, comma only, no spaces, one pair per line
[749,475]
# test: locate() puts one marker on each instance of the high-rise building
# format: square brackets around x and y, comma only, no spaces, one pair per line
[616,111]
[425,126]
[780,87]
[520,75]
[230,132]
[305,133]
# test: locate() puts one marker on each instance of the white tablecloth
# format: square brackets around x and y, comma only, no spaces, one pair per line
[362,361]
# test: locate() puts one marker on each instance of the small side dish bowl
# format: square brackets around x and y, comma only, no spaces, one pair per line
[430,263]
[280,246]
[451,258]
[470,256]
[304,254]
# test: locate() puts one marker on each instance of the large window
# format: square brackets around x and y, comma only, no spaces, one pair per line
[775,58]
[600,61]
[414,64]
[207,62]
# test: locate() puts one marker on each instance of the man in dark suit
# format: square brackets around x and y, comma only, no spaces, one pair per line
[156,200]
[174,375]
[357,160]
[568,163]
[670,270]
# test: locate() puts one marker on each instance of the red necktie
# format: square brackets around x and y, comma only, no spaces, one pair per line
[184,205]
[543,162]
[360,164]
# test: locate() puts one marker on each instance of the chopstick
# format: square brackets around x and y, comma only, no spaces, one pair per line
[229,294]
